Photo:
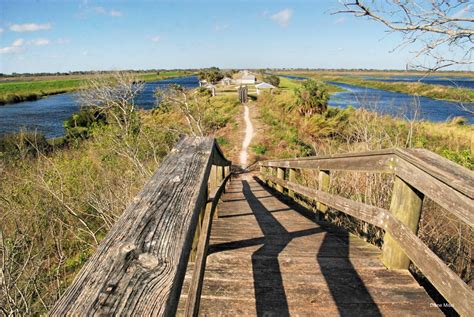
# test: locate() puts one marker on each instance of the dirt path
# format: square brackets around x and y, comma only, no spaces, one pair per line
[249,132]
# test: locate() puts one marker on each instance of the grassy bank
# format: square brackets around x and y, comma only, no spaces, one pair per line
[18,91]
[439,92]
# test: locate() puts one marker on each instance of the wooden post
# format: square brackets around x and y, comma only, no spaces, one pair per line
[197,233]
[219,177]
[226,170]
[405,206]
[280,175]
[323,185]
[213,178]
[292,178]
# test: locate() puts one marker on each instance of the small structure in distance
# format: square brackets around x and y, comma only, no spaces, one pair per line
[264,86]
[226,81]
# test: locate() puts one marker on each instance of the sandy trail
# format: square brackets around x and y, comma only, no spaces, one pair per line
[248,138]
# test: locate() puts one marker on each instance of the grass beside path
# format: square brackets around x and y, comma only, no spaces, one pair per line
[18,91]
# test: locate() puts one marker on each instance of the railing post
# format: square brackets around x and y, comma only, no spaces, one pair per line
[405,206]
[219,177]
[197,233]
[292,178]
[323,185]
[280,175]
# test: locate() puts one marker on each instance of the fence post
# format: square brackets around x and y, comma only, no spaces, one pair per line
[280,175]
[197,233]
[406,206]
[323,185]
[291,178]
[219,177]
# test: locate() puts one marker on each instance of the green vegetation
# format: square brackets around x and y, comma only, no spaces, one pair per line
[273,80]
[211,75]
[57,204]
[440,92]
[311,97]
[17,91]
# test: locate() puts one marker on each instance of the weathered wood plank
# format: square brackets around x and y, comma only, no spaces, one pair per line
[442,193]
[405,206]
[139,267]
[194,295]
[456,292]
[452,174]
[366,162]
[285,263]
[323,185]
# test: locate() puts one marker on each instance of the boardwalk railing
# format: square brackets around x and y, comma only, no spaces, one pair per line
[418,173]
[139,268]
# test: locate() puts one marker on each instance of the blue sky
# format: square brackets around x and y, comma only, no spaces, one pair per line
[52,36]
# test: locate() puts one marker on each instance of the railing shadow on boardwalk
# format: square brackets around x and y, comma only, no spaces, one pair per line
[349,286]
[270,294]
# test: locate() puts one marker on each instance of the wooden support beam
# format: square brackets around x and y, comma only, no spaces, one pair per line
[219,177]
[323,185]
[406,207]
[292,178]
[280,175]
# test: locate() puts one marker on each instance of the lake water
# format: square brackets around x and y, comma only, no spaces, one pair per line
[396,104]
[47,115]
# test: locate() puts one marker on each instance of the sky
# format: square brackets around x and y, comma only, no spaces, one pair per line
[66,35]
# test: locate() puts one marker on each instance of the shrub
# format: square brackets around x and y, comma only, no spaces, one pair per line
[311,98]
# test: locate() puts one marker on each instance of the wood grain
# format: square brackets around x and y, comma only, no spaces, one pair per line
[139,267]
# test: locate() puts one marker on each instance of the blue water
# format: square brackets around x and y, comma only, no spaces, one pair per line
[396,104]
[47,115]
[464,82]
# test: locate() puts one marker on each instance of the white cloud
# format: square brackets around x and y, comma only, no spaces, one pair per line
[40,42]
[156,38]
[15,47]
[112,13]
[282,17]
[29,27]
[341,20]
[18,42]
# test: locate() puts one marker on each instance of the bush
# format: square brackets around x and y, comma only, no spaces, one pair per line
[273,80]
[311,98]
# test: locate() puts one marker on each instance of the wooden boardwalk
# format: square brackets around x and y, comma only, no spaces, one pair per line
[268,257]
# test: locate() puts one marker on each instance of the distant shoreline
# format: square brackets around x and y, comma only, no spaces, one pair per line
[14,92]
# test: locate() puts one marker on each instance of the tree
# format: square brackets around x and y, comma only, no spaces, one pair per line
[272,79]
[439,29]
[211,75]
[311,98]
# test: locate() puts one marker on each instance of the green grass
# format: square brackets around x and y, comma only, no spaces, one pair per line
[17,91]
[413,88]
[291,84]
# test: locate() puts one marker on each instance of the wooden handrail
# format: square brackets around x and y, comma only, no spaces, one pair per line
[139,268]
[446,183]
